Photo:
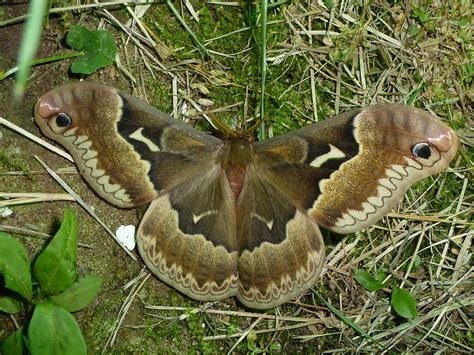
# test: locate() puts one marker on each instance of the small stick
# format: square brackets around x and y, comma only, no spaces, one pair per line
[36,139]
[84,205]
[20,198]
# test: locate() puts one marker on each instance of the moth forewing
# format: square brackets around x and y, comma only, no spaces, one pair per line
[367,186]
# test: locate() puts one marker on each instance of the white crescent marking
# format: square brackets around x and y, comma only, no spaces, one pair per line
[197,218]
[334,153]
[138,136]
[268,223]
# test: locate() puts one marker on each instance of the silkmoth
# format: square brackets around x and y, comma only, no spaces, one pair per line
[239,218]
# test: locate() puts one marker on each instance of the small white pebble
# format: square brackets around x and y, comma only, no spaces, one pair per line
[205,102]
[5,212]
[126,236]
[184,108]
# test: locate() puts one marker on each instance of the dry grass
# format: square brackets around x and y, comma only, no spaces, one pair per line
[335,59]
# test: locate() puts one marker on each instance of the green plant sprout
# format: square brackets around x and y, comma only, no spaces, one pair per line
[56,292]
[98,49]
[403,303]
[94,49]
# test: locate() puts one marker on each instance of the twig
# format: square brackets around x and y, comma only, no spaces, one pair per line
[36,139]
[20,198]
[84,205]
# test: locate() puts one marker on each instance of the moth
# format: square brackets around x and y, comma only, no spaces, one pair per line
[238,218]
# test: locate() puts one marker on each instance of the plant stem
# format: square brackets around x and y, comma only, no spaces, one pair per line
[263,64]
[53,58]
[29,44]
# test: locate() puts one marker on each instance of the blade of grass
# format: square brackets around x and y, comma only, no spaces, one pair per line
[263,63]
[35,139]
[345,319]
[245,333]
[20,198]
[32,233]
[58,10]
[29,45]
[202,49]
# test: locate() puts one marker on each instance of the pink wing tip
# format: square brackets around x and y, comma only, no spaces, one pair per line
[46,107]
[445,140]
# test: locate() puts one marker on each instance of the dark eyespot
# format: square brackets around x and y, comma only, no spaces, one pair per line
[421,150]
[63,120]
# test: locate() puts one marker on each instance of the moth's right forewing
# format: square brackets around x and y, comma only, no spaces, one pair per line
[127,150]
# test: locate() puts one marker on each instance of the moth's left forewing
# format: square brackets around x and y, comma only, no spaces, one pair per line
[173,150]
[351,169]
[398,146]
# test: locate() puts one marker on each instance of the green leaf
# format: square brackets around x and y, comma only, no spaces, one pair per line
[89,63]
[78,36]
[53,330]
[367,281]
[55,267]
[9,305]
[79,295]
[98,46]
[13,345]
[380,275]
[15,266]
[403,303]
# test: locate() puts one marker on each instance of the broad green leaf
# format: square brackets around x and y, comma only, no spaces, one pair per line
[78,37]
[107,44]
[79,295]
[15,266]
[55,267]
[369,282]
[9,305]
[53,330]
[13,345]
[89,63]
[403,303]
[98,46]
